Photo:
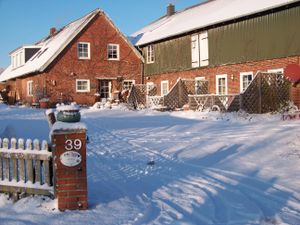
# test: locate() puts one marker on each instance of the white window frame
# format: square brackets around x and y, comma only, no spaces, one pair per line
[197,79]
[149,85]
[83,80]
[30,88]
[150,54]
[13,63]
[88,50]
[132,81]
[279,70]
[118,51]
[242,74]
[217,83]
[162,89]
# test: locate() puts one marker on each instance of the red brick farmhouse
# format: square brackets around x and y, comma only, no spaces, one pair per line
[86,61]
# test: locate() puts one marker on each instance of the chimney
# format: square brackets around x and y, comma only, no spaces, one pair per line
[170,9]
[52,31]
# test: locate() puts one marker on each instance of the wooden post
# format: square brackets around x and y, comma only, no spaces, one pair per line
[21,145]
[51,117]
[29,162]
[259,94]
[70,177]
[13,145]
[241,101]
[1,163]
[6,161]
[37,166]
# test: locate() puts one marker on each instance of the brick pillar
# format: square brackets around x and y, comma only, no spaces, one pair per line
[70,175]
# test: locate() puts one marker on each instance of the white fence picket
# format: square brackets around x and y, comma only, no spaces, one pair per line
[24,167]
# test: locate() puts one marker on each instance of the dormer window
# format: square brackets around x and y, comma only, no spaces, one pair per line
[18,59]
[21,55]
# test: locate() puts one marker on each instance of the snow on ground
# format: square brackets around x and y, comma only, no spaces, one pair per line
[147,167]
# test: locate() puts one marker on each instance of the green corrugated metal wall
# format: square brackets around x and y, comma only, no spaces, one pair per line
[275,35]
[271,36]
[170,56]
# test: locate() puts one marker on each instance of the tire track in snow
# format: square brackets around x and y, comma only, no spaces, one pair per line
[234,185]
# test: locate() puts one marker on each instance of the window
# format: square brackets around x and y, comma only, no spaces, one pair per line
[199,85]
[221,84]
[164,87]
[127,84]
[150,54]
[113,52]
[82,85]
[105,89]
[29,88]
[83,50]
[245,80]
[150,88]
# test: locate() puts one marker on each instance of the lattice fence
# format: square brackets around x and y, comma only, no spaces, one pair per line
[179,94]
[25,167]
[267,92]
[138,93]
[155,102]
[214,102]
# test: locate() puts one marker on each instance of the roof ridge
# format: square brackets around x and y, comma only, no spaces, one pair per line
[68,24]
[203,15]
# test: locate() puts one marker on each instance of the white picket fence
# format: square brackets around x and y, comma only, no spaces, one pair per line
[25,167]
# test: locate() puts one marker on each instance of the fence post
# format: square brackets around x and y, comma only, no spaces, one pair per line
[259,94]
[70,174]
[241,102]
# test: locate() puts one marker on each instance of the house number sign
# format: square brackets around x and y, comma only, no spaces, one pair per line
[71,158]
[73,144]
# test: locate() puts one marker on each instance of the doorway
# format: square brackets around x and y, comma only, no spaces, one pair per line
[105,87]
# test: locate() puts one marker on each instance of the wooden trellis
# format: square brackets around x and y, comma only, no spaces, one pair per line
[214,102]
[179,94]
[177,97]
[138,93]
[25,167]
[266,93]
[155,101]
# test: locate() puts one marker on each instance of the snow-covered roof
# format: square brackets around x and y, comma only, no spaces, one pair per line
[202,15]
[51,47]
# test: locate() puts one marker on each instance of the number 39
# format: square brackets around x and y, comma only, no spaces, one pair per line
[73,144]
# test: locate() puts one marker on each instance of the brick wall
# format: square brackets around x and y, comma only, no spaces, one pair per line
[70,182]
[233,75]
[60,77]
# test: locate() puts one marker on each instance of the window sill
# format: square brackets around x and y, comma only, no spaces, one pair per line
[84,58]
[82,91]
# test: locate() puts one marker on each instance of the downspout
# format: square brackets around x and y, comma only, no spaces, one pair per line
[142,72]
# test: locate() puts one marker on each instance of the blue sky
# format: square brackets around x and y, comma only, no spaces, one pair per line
[27,21]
